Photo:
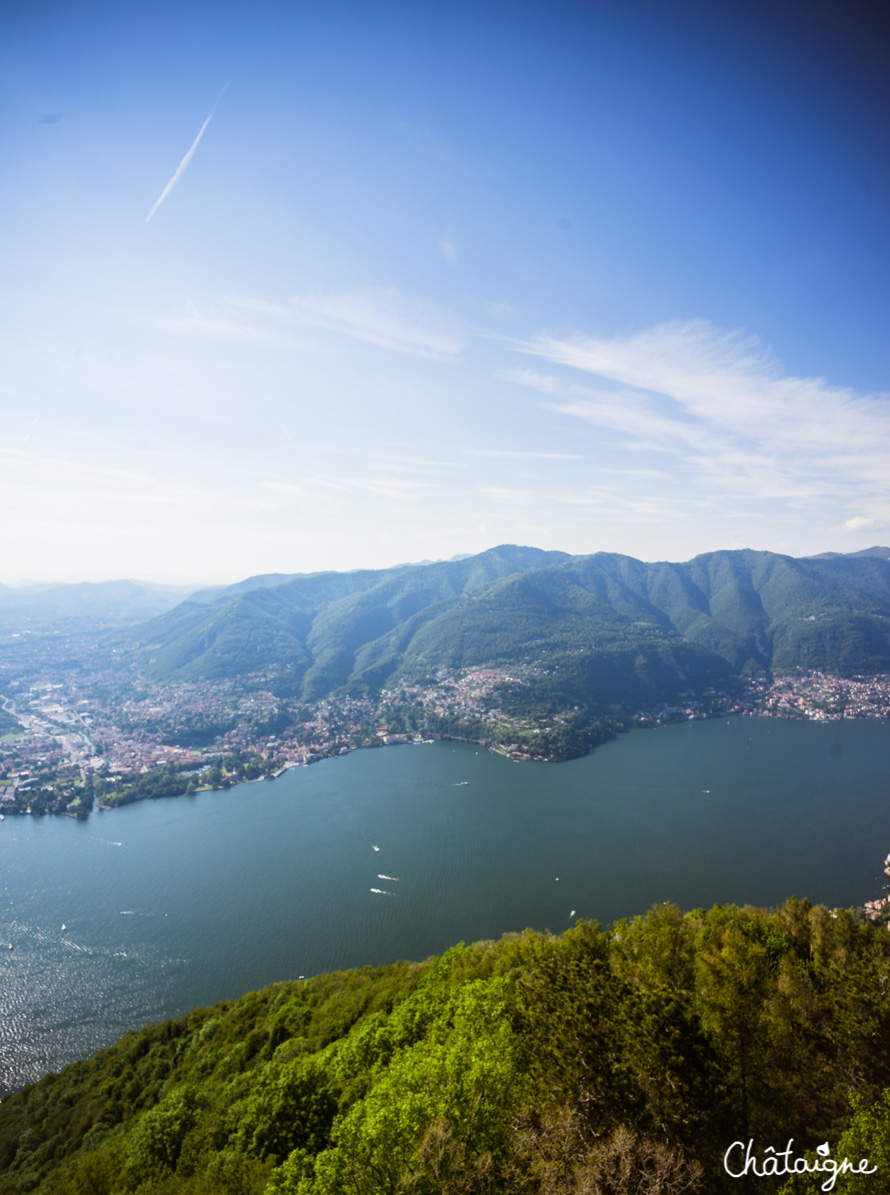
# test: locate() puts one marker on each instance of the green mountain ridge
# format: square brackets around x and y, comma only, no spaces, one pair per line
[694,624]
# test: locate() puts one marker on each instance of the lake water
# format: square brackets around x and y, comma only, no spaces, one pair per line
[172,904]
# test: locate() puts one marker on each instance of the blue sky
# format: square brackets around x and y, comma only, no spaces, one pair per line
[603,276]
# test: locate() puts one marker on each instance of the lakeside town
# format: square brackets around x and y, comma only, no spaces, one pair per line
[69,746]
[67,742]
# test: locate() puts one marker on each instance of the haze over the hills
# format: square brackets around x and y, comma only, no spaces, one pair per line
[101,601]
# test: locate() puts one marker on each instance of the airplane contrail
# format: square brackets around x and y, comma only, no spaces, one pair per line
[180,169]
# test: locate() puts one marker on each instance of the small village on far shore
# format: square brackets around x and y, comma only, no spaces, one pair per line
[62,732]
[68,747]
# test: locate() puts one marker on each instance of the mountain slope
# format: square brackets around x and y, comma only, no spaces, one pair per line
[313,624]
[647,631]
[624,1061]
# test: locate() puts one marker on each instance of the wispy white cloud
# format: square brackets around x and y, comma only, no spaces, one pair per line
[226,321]
[375,315]
[385,317]
[532,379]
[589,501]
[507,454]
[119,492]
[651,474]
[448,250]
[381,487]
[721,404]
[181,168]
[865,524]
[287,489]
[415,464]
[511,495]
[625,505]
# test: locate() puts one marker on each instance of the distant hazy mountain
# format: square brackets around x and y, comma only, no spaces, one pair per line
[597,628]
[883,553]
[105,602]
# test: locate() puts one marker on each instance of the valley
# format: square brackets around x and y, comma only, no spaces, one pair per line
[536,655]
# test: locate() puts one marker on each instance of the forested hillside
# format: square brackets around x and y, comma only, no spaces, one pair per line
[309,628]
[622,1062]
[615,629]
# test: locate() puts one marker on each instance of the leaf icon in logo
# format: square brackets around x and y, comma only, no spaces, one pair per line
[823,1149]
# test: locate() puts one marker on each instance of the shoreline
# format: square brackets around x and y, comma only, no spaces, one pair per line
[640,720]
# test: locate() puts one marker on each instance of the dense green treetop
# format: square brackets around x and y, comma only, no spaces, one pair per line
[624,1061]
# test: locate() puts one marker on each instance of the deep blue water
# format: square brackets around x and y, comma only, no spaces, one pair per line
[171,904]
